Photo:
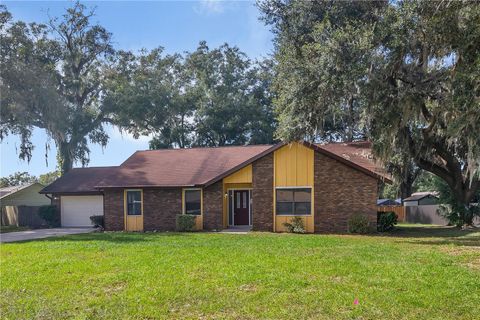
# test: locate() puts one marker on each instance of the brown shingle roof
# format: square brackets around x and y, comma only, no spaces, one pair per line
[359,154]
[180,167]
[194,167]
[80,180]
[159,168]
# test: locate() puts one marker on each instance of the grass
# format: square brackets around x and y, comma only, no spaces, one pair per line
[6,229]
[413,273]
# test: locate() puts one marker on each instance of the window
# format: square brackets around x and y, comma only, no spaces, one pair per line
[293,202]
[134,202]
[193,202]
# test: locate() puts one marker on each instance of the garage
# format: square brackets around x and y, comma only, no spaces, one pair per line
[76,210]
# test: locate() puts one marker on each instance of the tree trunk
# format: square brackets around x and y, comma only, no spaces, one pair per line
[464,193]
[351,120]
[462,189]
[406,189]
[65,157]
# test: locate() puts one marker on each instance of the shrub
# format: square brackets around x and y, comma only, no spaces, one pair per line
[295,225]
[358,223]
[185,222]
[97,221]
[50,214]
[386,221]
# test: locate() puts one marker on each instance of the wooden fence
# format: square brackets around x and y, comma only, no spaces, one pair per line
[22,216]
[399,211]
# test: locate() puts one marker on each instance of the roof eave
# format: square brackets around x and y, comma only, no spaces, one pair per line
[73,193]
[145,186]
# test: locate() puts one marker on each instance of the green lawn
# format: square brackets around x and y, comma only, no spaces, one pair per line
[414,273]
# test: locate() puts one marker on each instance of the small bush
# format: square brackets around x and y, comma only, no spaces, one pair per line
[97,221]
[386,221]
[185,222]
[295,225]
[50,214]
[358,223]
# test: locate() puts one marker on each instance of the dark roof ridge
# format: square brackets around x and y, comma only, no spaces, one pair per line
[213,147]
[196,148]
[96,167]
[342,142]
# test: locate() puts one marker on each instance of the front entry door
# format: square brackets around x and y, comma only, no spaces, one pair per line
[241,207]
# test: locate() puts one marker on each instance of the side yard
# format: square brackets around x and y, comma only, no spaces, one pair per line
[414,273]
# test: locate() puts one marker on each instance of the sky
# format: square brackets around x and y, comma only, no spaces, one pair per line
[178,26]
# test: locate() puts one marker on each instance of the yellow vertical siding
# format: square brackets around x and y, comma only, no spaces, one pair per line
[308,222]
[198,219]
[243,175]
[293,167]
[241,179]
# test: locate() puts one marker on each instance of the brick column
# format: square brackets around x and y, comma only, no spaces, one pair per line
[262,194]
[113,209]
[213,207]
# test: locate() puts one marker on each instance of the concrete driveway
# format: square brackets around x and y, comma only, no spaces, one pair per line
[41,233]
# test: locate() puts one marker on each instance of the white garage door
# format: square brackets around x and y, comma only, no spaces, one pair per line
[76,210]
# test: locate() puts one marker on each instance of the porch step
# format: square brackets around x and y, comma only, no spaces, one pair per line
[237,229]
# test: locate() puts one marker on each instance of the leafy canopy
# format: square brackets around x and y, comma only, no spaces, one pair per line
[412,68]
[209,97]
[52,78]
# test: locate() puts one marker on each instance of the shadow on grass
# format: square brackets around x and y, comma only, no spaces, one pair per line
[114,237]
[437,235]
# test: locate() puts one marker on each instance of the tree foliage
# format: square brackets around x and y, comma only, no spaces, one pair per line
[52,78]
[209,97]
[48,177]
[17,179]
[412,67]
[21,178]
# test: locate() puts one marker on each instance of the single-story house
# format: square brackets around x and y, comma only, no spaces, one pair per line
[19,204]
[422,207]
[257,186]
[421,199]
[24,195]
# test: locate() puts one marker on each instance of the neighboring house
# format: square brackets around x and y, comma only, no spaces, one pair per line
[421,199]
[422,207]
[25,195]
[258,186]
[388,202]
[19,205]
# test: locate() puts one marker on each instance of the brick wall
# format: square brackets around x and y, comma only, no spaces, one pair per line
[213,207]
[113,209]
[262,194]
[341,191]
[160,208]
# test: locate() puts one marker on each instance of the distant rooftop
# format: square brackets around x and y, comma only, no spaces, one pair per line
[5,191]
[420,195]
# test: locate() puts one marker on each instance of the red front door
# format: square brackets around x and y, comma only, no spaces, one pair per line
[241,207]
